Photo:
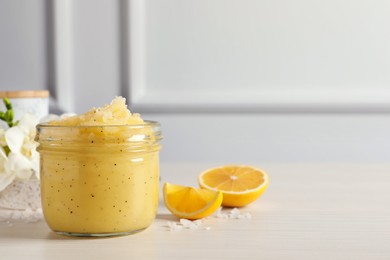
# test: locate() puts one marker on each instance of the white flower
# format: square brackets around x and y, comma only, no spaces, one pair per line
[2,138]
[5,177]
[23,159]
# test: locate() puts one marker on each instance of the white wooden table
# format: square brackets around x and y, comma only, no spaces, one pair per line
[308,212]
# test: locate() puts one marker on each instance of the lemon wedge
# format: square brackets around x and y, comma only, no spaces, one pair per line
[191,203]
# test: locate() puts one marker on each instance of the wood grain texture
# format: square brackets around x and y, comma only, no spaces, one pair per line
[308,212]
[25,94]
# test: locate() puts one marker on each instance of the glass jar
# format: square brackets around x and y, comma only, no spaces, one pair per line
[99,180]
[35,102]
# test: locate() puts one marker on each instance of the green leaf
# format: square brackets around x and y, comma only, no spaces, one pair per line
[9,115]
[7,103]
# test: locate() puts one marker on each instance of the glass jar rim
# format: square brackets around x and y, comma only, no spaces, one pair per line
[138,134]
[147,123]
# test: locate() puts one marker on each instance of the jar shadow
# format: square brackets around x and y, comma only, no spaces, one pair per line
[166,217]
[54,236]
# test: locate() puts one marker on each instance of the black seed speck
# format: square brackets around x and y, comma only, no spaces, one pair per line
[93,196]
[71,212]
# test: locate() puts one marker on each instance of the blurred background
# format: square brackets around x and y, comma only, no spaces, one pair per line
[230,81]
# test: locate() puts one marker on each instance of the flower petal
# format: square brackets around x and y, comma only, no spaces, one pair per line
[2,137]
[3,155]
[28,121]
[19,166]
[14,137]
[35,163]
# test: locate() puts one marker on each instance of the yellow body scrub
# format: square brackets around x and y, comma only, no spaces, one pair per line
[100,172]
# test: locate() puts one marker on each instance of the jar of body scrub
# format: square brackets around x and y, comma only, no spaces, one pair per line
[100,180]
[99,171]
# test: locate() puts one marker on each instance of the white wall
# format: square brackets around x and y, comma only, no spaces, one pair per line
[23,55]
[260,55]
[286,138]
[247,81]
[96,52]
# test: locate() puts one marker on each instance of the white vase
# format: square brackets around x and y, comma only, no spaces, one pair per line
[21,194]
[35,102]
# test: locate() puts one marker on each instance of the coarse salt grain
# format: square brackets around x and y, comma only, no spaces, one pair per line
[196,224]
[184,224]
[247,215]
[173,226]
[233,214]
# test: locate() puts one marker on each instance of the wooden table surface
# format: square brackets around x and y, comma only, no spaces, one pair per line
[310,211]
